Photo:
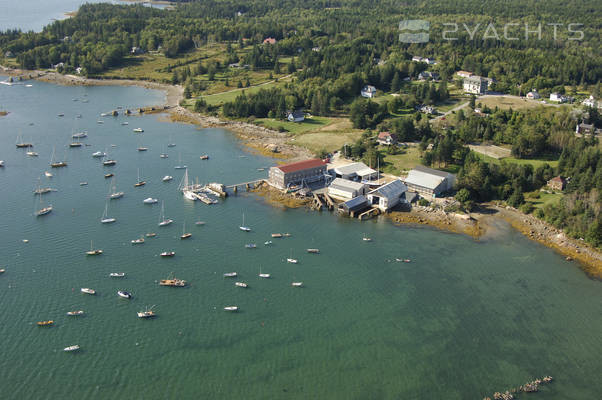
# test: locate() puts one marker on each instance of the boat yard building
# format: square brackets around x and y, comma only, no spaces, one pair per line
[357,171]
[297,173]
[355,206]
[429,182]
[387,196]
[345,189]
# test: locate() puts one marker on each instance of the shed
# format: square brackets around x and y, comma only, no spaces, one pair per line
[355,171]
[296,116]
[344,189]
[429,182]
[355,206]
[387,196]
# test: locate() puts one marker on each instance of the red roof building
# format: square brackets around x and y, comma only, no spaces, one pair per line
[269,40]
[282,176]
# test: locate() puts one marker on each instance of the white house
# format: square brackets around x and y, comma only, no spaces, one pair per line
[429,182]
[475,85]
[533,95]
[387,196]
[346,190]
[296,116]
[386,138]
[368,91]
[558,98]
[591,102]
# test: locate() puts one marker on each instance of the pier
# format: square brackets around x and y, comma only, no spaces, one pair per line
[247,185]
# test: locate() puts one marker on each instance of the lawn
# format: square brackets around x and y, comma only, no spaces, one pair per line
[330,136]
[310,124]
[506,102]
[405,161]
[540,199]
[534,162]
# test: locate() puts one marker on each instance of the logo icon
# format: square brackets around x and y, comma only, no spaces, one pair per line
[414,26]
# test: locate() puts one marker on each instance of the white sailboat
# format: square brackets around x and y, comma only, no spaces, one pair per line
[105,216]
[162,220]
[262,275]
[139,182]
[243,227]
[43,210]
[93,251]
[114,194]
[185,235]
[291,259]
[180,166]
[54,163]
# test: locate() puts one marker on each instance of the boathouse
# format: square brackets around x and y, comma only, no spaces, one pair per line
[357,171]
[387,196]
[345,189]
[307,171]
[355,206]
[429,182]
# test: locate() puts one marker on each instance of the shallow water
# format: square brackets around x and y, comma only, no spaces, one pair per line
[462,320]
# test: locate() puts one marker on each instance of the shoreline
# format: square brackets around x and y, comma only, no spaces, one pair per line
[274,144]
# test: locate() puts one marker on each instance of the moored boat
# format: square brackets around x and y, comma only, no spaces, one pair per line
[107,176]
[168,254]
[48,174]
[138,130]
[230,275]
[76,144]
[150,200]
[167,178]
[117,274]
[146,314]
[162,220]
[93,252]
[31,154]
[241,284]
[173,282]
[99,154]
[75,313]
[88,291]
[276,235]
[75,347]
[231,308]
[313,251]
[297,284]
[204,157]
[45,323]
[138,241]
[250,246]
[151,234]
[124,294]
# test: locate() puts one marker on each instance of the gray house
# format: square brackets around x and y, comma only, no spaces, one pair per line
[296,116]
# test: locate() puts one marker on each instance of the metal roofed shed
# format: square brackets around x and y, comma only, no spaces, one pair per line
[355,206]
[345,189]
[429,182]
[388,195]
[354,171]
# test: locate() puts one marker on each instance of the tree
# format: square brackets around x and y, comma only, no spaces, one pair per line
[396,83]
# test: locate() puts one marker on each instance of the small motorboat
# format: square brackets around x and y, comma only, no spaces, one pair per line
[171,145]
[60,115]
[79,135]
[45,323]
[265,276]
[165,222]
[138,241]
[75,313]
[138,130]
[150,200]
[31,154]
[88,291]
[231,308]
[200,223]
[76,144]
[95,252]
[151,234]
[117,274]
[146,314]
[186,235]
[268,243]
[164,155]
[99,154]
[124,294]
[48,174]
[142,149]
[2,270]
[313,251]
[167,178]
[100,122]
[83,184]
[204,157]
[125,123]
[292,260]
[276,235]
[297,284]
[241,284]
[230,275]
[251,246]
[168,254]
[107,176]
[366,239]
[75,347]
[108,163]
[116,195]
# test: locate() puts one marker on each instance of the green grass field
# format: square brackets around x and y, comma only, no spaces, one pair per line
[540,199]
[408,159]
[295,128]
[534,162]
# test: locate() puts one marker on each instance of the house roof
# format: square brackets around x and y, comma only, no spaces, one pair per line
[431,171]
[270,40]
[301,165]
[391,190]
[557,179]
[344,184]
[384,135]
[358,167]
[426,177]
[297,113]
[369,88]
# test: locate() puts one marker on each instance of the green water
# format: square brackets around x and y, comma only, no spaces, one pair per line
[461,321]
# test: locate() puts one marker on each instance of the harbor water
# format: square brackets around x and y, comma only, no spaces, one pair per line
[462,320]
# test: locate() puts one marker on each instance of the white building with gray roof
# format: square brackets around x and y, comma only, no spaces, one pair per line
[387,196]
[355,171]
[344,189]
[429,182]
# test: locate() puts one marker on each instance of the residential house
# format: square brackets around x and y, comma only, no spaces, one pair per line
[427,60]
[557,183]
[425,75]
[386,138]
[355,206]
[136,50]
[533,95]
[368,91]
[269,40]
[296,116]
[357,171]
[429,182]
[344,189]
[475,85]
[387,196]
[308,171]
[587,129]
[9,54]
[559,98]
[591,102]
[426,109]
[78,70]
[464,74]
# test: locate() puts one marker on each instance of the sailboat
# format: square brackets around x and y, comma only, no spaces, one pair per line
[139,182]
[56,164]
[43,210]
[366,238]
[105,216]
[180,166]
[243,227]
[93,252]
[21,144]
[291,259]
[171,144]
[185,235]
[114,194]
[162,220]
[261,275]
[107,161]
[163,154]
